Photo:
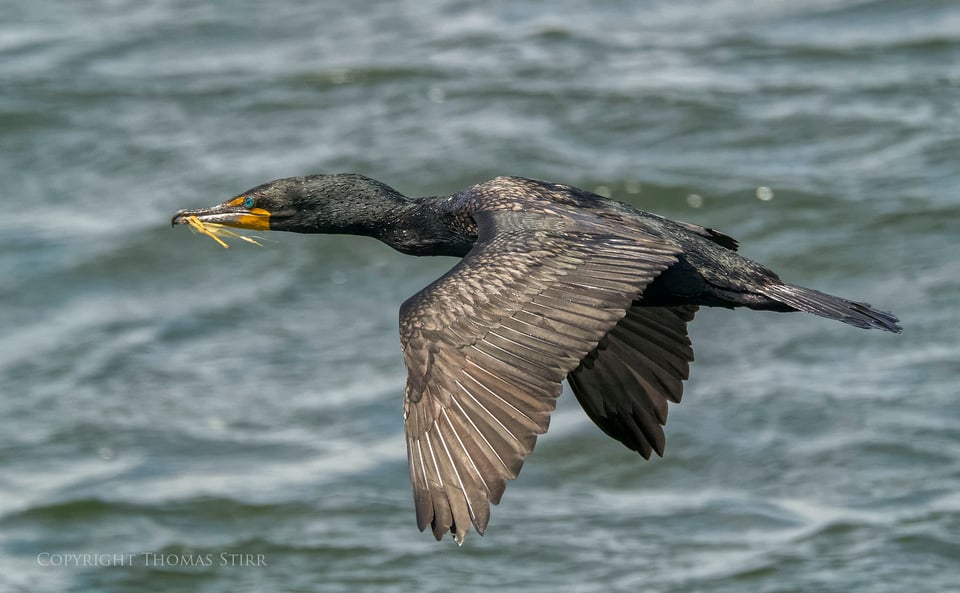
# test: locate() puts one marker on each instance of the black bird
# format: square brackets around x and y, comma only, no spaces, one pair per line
[554,283]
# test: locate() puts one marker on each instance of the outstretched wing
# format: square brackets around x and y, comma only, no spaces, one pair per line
[489,343]
[624,384]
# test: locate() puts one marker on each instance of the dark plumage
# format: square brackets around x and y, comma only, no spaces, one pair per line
[555,283]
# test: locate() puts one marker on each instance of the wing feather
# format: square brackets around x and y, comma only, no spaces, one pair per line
[624,384]
[489,343]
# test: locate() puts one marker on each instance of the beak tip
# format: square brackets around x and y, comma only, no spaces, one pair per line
[177,218]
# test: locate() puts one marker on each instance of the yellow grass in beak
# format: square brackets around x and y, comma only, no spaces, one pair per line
[216,231]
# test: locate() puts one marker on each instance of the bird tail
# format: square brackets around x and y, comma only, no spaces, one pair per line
[832,307]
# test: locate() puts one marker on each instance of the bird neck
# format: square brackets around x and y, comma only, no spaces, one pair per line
[356,205]
[429,226]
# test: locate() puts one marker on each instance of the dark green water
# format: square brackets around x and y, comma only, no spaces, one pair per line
[165,403]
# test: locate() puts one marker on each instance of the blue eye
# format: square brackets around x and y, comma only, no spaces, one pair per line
[248,202]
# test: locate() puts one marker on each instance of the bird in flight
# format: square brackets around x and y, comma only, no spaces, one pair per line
[553,283]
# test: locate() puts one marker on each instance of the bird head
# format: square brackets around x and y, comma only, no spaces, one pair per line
[341,203]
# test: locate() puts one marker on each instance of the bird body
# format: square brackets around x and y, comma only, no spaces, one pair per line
[555,283]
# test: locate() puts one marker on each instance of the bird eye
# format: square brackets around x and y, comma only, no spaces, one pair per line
[248,202]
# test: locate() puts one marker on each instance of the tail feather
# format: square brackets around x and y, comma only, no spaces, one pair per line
[832,307]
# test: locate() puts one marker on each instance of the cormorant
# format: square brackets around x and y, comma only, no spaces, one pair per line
[554,283]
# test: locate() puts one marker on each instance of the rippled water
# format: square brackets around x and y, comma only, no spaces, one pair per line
[166,402]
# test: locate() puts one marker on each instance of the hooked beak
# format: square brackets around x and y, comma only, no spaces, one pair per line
[232,213]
